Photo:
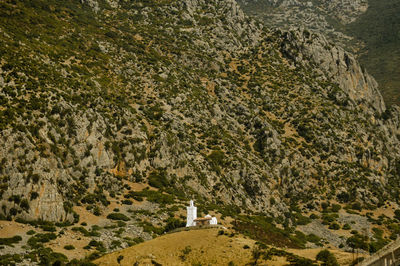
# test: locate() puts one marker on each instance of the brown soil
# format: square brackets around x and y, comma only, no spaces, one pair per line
[74,239]
[88,217]
[10,229]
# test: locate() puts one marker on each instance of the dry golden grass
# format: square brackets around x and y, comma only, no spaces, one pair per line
[344,258]
[206,248]
[10,229]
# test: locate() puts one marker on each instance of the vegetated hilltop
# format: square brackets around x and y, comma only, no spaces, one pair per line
[211,246]
[367,27]
[192,98]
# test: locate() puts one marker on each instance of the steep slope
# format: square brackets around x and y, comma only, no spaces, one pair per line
[192,98]
[322,16]
[381,52]
[367,28]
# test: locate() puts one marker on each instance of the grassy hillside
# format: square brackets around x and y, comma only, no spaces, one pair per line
[211,247]
[379,29]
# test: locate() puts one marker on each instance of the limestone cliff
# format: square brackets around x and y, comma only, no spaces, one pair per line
[191,97]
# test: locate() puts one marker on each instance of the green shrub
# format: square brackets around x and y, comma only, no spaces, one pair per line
[85,232]
[335,207]
[397,214]
[30,232]
[120,257]
[327,258]
[48,228]
[24,204]
[97,244]
[216,159]
[38,239]
[121,224]
[10,240]
[152,196]
[158,179]
[346,227]
[127,202]
[115,244]
[356,206]
[173,223]
[334,226]
[313,238]
[357,241]
[69,247]
[118,216]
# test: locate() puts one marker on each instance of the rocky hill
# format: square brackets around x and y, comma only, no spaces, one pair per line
[322,16]
[381,52]
[365,27]
[124,110]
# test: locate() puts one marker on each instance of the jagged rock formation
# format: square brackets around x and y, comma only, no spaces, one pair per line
[320,16]
[334,62]
[192,97]
[363,27]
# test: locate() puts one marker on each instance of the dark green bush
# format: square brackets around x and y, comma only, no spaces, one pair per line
[158,179]
[38,239]
[173,223]
[30,232]
[10,240]
[118,216]
[346,227]
[327,258]
[334,226]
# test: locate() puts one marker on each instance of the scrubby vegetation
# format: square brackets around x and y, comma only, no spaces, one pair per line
[102,108]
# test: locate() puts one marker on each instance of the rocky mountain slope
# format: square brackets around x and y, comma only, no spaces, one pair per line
[367,28]
[322,16]
[100,99]
[381,52]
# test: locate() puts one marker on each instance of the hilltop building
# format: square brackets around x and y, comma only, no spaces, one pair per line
[192,220]
[191,214]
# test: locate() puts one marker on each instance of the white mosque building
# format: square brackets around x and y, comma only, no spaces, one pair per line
[192,220]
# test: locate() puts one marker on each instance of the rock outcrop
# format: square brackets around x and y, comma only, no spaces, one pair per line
[339,65]
[193,98]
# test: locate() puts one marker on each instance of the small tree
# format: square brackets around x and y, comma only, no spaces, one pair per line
[256,252]
[120,257]
[327,258]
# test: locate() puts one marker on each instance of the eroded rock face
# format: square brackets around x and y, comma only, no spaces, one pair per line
[93,4]
[224,110]
[338,64]
[321,16]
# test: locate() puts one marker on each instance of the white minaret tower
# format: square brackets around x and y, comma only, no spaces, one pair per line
[191,215]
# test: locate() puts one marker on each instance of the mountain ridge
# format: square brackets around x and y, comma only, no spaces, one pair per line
[363,27]
[190,99]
